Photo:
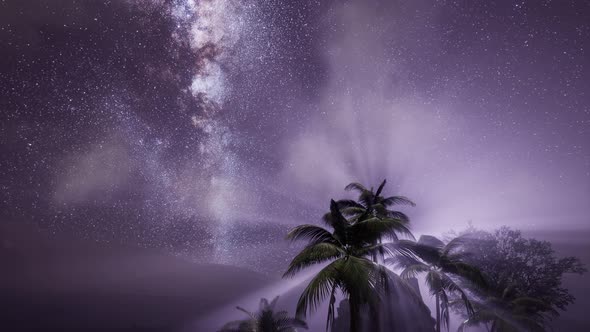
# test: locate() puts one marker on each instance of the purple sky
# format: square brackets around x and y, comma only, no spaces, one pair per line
[147,121]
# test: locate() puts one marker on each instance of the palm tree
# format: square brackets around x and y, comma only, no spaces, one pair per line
[346,249]
[442,264]
[372,205]
[510,312]
[265,320]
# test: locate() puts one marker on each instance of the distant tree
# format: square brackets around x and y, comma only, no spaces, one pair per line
[442,264]
[523,277]
[265,320]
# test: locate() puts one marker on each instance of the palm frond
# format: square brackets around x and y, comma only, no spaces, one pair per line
[311,233]
[348,203]
[355,186]
[273,303]
[425,252]
[402,254]
[455,245]
[265,320]
[402,260]
[360,279]
[288,324]
[338,222]
[398,215]
[451,286]
[380,210]
[374,229]
[383,277]
[397,200]
[251,314]
[431,241]
[467,272]
[319,288]
[380,189]
[381,250]
[412,271]
[327,219]
[433,281]
[263,304]
[313,254]
[367,198]
[353,211]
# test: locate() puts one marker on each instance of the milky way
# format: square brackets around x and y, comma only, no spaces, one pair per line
[182,124]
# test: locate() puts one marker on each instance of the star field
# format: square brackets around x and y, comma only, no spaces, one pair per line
[178,124]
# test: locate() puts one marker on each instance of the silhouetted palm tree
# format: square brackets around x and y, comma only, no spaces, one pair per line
[265,320]
[372,205]
[346,248]
[510,312]
[441,263]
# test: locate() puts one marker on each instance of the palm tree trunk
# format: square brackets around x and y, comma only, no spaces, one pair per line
[437,312]
[354,316]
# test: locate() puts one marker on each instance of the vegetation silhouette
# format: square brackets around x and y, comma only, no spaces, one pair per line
[372,205]
[524,280]
[265,320]
[442,264]
[348,248]
[508,313]
[500,280]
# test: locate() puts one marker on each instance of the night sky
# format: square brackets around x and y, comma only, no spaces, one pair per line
[172,123]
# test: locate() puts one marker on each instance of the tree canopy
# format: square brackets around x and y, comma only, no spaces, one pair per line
[524,273]
[266,319]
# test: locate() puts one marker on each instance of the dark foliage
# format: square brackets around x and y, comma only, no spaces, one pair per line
[523,276]
[443,267]
[265,320]
[500,279]
[352,246]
